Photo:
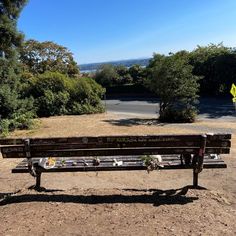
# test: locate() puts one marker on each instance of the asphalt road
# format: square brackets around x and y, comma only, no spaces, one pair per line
[208,107]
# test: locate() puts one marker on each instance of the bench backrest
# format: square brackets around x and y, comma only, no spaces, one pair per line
[114,145]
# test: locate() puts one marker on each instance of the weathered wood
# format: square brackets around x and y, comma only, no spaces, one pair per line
[167,164]
[36,147]
[13,153]
[65,146]
[115,145]
[79,152]
[129,166]
[116,139]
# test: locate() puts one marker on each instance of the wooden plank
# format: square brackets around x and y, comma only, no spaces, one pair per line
[128,139]
[219,136]
[118,158]
[128,151]
[207,163]
[125,167]
[116,139]
[37,147]
[10,141]
[65,146]
[12,153]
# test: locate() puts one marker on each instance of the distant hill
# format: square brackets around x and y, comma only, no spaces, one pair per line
[126,63]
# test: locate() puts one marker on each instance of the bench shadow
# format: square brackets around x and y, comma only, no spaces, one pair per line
[6,195]
[155,197]
[42,189]
[135,121]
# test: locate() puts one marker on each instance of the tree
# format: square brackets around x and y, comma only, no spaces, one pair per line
[216,64]
[106,75]
[171,78]
[10,38]
[137,73]
[14,110]
[124,75]
[39,57]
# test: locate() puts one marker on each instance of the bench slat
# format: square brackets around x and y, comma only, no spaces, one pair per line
[47,147]
[125,167]
[8,153]
[116,139]
[36,147]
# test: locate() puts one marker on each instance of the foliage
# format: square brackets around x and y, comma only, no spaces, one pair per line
[216,64]
[27,89]
[137,73]
[10,38]
[4,127]
[106,75]
[15,111]
[171,78]
[57,94]
[39,57]
[109,75]
[152,162]
[124,75]
[85,97]
[18,121]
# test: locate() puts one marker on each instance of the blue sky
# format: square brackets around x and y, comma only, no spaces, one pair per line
[104,30]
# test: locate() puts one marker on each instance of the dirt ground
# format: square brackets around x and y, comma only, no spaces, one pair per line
[120,203]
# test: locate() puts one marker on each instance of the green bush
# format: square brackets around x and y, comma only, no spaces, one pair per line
[107,75]
[178,116]
[52,103]
[18,121]
[4,127]
[22,121]
[15,112]
[85,97]
[81,109]
[57,94]
[171,78]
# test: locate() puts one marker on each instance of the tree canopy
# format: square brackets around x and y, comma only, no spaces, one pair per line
[10,37]
[57,94]
[216,64]
[106,75]
[39,57]
[15,111]
[171,78]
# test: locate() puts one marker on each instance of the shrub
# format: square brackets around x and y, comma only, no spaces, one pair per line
[4,127]
[178,116]
[15,112]
[50,93]
[18,121]
[57,94]
[85,97]
[171,78]
[22,121]
[107,75]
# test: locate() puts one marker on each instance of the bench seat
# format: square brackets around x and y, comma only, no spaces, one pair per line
[107,164]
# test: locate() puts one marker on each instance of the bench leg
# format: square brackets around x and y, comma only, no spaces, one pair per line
[38,181]
[195,179]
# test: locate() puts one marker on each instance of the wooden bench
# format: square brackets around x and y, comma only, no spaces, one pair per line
[117,153]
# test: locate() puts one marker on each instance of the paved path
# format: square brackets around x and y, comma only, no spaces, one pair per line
[208,107]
